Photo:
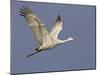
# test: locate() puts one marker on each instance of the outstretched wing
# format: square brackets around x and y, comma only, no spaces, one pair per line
[57,27]
[36,25]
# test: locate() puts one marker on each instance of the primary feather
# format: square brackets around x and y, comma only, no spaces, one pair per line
[36,25]
[57,27]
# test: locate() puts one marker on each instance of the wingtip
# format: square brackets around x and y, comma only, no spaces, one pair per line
[59,15]
[25,11]
[59,18]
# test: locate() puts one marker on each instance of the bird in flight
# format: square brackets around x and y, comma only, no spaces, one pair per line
[46,40]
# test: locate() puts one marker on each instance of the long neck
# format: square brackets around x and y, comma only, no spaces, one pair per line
[63,41]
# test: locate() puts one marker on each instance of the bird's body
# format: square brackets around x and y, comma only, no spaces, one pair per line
[46,39]
[53,43]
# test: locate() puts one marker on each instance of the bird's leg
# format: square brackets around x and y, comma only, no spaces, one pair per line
[37,51]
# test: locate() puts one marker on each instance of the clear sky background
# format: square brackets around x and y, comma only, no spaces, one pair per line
[79,23]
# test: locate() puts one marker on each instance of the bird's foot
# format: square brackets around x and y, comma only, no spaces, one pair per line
[37,49]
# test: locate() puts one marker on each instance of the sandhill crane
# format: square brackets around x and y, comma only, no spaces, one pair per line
[47,40]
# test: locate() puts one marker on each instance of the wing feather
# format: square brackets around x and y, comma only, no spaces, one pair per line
[36,25]
[57,27]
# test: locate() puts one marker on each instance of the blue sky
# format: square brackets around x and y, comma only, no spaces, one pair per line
[78,22]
